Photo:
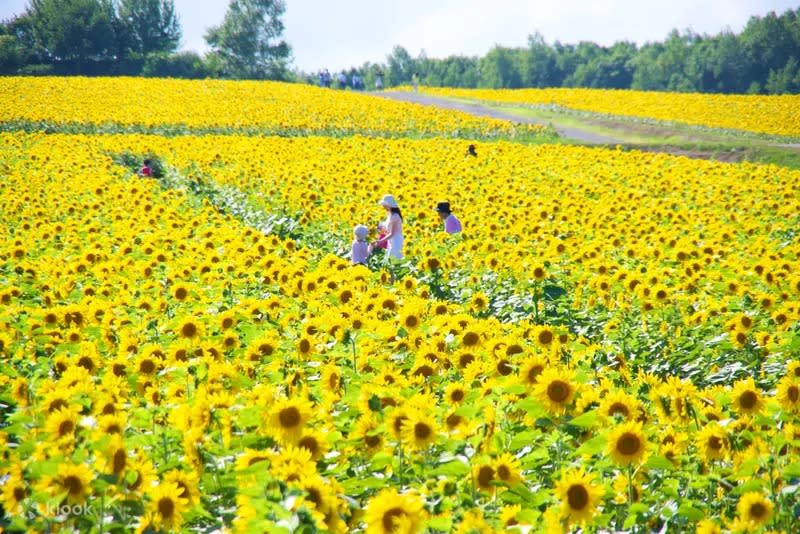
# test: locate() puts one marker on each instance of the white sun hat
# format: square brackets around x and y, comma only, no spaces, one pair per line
[388,201]
[361,231]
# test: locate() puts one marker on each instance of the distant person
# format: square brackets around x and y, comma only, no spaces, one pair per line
[356,81]
[415,81]
[471,151]
[147,169]
[451,224]
[394,228]
[379,81]
[360,250]
[342,81]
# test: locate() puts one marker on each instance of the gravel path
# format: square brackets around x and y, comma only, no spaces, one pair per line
[481,111]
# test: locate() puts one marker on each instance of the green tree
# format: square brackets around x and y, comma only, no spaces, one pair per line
[248,42]
[401,66]
[500,69]
[73,30]
[147,26]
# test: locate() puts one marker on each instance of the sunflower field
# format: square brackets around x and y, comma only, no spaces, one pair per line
[611,344]
[774,115]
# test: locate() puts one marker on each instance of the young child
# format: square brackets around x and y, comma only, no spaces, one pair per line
[146,170]
[381,234]
[361,249]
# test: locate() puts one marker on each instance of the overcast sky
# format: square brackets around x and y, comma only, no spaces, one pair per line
[343,33]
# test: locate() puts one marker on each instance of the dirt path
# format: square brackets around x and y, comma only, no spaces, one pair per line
[582,136]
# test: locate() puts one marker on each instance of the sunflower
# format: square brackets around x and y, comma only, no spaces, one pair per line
[187,482]
[455,393]
[114,461]
[226,320]
[318,494]
[619,403]
[419,430]
[479,302]
[166,506]
[530,369]
[390,512]
[292,464]
[712,441]
[189,328]
[180,291]
[410,318]
[507,469]
[73,479]
[287,417]
[579,495]
[545,336]
[555,388]
[627,444]
[746,397]
[483,475]
[14,493]
[788,393]
[754,509]
[368,434]
[315,442]
[62,423]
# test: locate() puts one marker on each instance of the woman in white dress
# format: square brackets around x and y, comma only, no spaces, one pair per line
[394,228]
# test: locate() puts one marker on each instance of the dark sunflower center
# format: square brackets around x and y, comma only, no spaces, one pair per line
[748,400]
[308,442]
[485,475]
[758,510]
[119,461]
[66,427]
[289,417]
[577,497]
[147,367]
[166,507]
[503,472]
[470,339]
[545,337]
[714,443]
[314,496]
[372,441]
[422,431]
[504,368]
[618,408]
[457,395]
[534,372]
[181,293]
[793,393]
[558,391]
[629,444]
[73,484]
[390,518]
[189,330]
[411,321]
[453,420]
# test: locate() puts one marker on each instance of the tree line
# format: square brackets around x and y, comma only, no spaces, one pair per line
[763,58]
[141,38]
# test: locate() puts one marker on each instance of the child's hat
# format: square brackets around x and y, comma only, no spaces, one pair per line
[361,231]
